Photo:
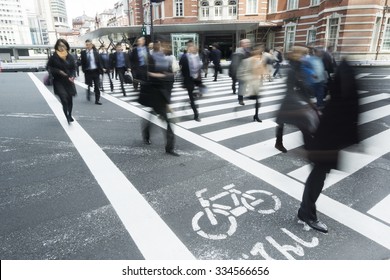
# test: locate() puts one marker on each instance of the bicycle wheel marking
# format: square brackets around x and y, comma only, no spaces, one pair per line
[242,202]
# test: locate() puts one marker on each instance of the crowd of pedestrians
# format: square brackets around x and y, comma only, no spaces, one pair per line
[320,99]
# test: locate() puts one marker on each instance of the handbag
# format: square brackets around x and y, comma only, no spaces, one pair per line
[48,80]
[298,112]
[128,78]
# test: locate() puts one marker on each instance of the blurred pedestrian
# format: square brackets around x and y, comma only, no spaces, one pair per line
[120,61]
[205,57]
[191,70]
[337,130]
[241,53]
[90,65]
[158,90]
[278,58]
[268,60]
[215,58]
[319,78]
[77,61]
[105,63]
[138,62]
[252,70]
[296,102]
[62,67]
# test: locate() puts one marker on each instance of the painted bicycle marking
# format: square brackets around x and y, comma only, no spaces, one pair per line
[251,200]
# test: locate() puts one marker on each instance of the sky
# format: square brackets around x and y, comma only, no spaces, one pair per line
[76,8]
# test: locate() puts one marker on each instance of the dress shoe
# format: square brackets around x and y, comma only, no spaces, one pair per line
[98,103]
[172,153]
[280,147]
[197,119]
[317,225]
[256,118]
[147,142]
[70,119]
[241,102]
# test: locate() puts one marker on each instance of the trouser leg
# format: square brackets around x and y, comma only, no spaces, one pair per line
[192,102]
[121,74]
[313,188]
[96,82]
[234,81]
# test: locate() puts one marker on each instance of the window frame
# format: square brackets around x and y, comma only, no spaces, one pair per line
[386,33]
[287,45]
[176,7]
[292,5]
[250,10]
[272,6]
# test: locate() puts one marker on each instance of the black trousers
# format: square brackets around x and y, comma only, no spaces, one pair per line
[170,137]
[234,81]
[121,74]
[92,78]
[109,78]
[190,90]
[67,104]
[217,68]
[313,188]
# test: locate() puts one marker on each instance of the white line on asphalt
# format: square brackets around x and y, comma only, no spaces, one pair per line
[361,75]
[265,149]
[341,213]
[238,130]
[151,234]
[228,117]
[374,147]
[382,210]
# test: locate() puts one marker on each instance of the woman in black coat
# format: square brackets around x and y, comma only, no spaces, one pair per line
[61,66]
[337,130]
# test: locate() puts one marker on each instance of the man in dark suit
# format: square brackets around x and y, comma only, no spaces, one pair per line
[90,64]
[215,57]
[120,61]
[104,57]
[138,61]
[190,68]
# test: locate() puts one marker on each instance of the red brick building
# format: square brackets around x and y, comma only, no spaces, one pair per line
[358,28]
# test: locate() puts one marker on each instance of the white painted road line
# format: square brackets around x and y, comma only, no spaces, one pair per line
[381,210]
[359,222]
[374,98]
[265,149]
[153,237]
[231,132]
[350,162]
[228,117]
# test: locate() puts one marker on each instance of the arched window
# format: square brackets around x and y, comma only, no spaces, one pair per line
[204,8]
[232,7]
[218,8]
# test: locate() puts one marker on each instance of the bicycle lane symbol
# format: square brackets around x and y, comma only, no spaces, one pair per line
[251,200]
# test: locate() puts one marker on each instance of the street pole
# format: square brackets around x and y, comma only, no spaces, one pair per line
[151,22]
[381,32]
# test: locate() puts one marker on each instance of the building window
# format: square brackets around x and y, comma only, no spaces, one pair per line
[386,37]
[375,35]
[251,6]
[311,36]
[333,30]
[232,8]
[292,4]
[218,8]
[315,2]
[204,8]
[272,6]
[290,37]
[179,8]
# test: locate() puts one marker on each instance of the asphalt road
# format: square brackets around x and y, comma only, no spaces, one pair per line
[93,190]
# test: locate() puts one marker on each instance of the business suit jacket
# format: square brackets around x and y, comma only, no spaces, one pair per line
[113,59]
[85,62]
[61,84]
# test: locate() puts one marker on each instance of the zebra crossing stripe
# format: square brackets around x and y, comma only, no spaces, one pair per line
[350,162]
[265,149]
[373,98]
[382,210]
[231,132]
[227,117]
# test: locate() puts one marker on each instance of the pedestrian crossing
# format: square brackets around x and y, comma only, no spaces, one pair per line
[226,122]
